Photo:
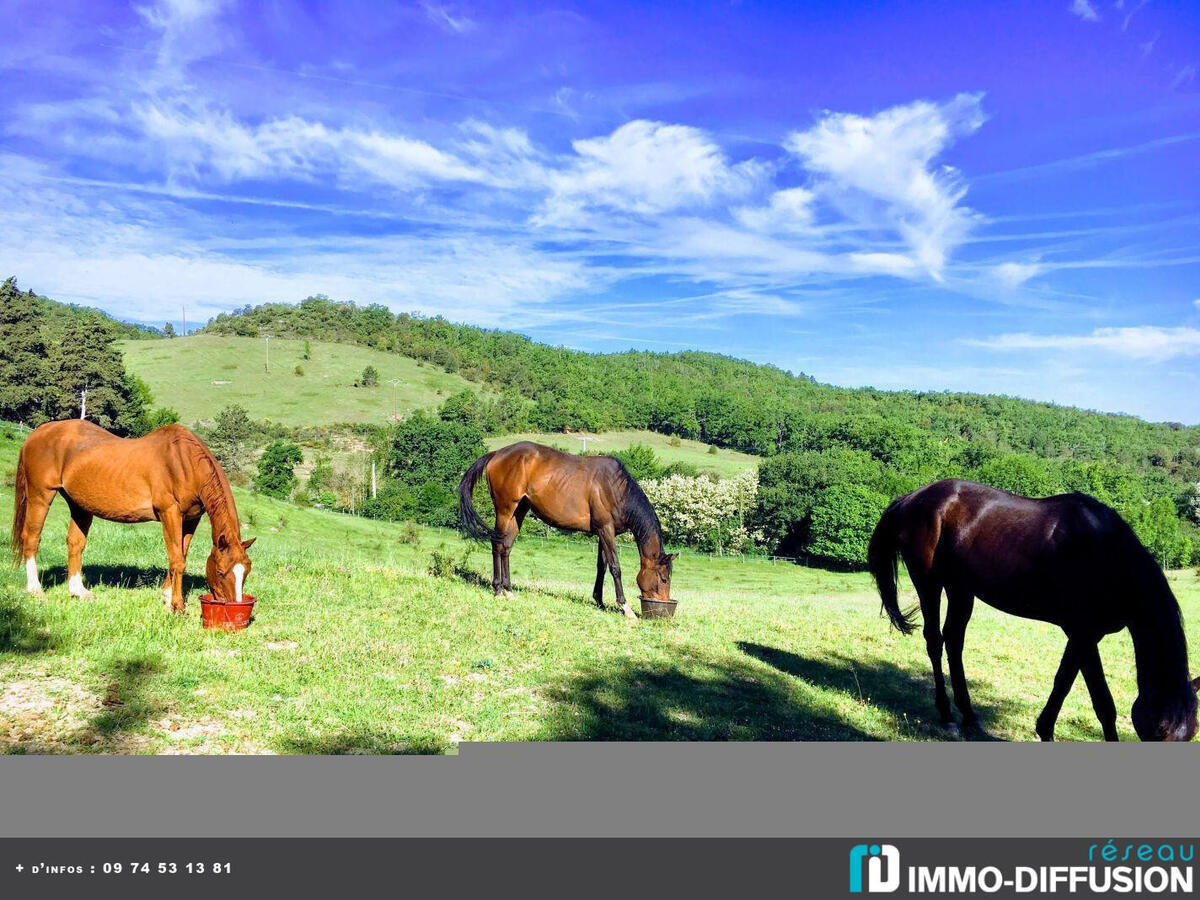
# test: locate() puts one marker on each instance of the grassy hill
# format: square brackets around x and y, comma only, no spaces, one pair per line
[200,374]
[356,647]
[724,463]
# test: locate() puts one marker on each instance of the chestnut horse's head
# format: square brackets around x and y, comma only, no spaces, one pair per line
[228,568]
[654,577]
[1158,717]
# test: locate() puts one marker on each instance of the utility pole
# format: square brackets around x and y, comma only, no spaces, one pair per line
[83,404]
[583,438]
[395,383]
[268,366]
[183,309]
[374,483]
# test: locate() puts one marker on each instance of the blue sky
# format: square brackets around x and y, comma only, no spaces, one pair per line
[998,197]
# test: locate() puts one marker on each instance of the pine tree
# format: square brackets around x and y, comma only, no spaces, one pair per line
[22,355]
[88,358]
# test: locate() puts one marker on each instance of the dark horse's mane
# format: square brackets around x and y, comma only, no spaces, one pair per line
[639,516]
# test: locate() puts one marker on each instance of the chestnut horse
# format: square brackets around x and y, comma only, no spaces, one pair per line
[169,476]
[592,494]
[1068,560]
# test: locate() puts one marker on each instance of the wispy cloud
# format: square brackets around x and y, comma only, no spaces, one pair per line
[1140,342]
[1014,274]
[878,170]
[1085,10]
[442,15]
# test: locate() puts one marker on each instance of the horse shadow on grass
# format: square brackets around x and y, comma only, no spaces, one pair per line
[689,698]
[100,576]
[907,697]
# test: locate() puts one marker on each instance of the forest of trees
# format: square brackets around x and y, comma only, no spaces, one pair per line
[834,455]
[51,352]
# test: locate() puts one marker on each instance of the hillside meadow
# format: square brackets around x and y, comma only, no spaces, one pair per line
[200,374]
[357,647]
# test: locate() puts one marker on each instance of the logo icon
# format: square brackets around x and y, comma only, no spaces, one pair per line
[879,881]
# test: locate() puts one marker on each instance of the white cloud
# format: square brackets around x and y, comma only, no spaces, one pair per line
[199,142]
[1014,274]
[644,168]
[441,15]
[877,171]
[1142,342]
[1085,10]
[788,210]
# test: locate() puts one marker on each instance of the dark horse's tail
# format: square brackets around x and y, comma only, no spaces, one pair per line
[18,525]
[468,517]
[882,561]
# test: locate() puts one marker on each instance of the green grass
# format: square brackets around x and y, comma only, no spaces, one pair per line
[724,463]
[181,373]
[357,648]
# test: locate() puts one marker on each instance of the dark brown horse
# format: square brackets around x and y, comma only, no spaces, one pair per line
[1068,560]
[592,494]
[169,476]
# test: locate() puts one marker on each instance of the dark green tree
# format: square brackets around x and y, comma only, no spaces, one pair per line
[230,436]
[22,355]
[88,359]
[369,377]
[842,523]
[169,330]
[277,469]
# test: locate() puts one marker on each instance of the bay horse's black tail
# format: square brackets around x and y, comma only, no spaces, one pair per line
[468,517]
[19,506]
[882,560]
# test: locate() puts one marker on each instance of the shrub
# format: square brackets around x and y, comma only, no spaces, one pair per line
[277,469]
[842,523]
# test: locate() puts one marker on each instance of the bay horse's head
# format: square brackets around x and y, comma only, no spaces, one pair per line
[654,577]
[228,568]
[1166,717]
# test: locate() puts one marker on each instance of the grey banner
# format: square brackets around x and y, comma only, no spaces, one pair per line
[898,867]
[685,790]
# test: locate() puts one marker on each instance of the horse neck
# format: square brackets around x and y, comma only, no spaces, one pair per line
[649,547]
[217,497]
[1159,644]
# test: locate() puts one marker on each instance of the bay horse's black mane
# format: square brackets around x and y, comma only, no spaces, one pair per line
[639,516]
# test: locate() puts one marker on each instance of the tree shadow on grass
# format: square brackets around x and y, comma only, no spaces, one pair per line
[362,742]
[906,696]
[690,699]
[127,703]
[21,631]
[101,576]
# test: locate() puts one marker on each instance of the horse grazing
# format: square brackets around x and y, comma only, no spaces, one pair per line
[169,475]
[592,494]
[1068,560]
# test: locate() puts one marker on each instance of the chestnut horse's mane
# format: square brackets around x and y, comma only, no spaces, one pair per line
[215,493]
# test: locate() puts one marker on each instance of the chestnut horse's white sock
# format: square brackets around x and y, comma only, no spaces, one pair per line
[31,577]
[75,585]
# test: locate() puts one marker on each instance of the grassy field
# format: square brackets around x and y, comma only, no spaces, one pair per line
[199,375]
[724,463]
[357,647]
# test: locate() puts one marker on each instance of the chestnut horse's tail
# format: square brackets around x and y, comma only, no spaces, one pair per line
[19,504]
[469,519]
[882,561]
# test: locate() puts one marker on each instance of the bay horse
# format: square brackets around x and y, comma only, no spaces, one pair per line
[591,494]
[1068,560]
[169,476]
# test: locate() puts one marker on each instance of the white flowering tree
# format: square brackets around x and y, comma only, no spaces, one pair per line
[705,513]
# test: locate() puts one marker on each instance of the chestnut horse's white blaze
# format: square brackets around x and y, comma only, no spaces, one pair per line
[239,576]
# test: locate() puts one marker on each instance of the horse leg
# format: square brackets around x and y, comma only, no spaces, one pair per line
[172,525]
[608,546]
[601,570]
[930,594]
[189,531]
[959,606]
[77,532]
[1102,701]
[37,505]
[510,537]
[1063,679]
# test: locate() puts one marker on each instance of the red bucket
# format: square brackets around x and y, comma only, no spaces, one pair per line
[226,616]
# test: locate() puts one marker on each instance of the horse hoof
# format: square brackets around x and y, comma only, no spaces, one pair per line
[953,731]
[85,595]
[510,595]
[39,593]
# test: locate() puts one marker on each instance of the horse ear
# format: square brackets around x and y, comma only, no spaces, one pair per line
[670,557]
[246,544]
[222,543]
